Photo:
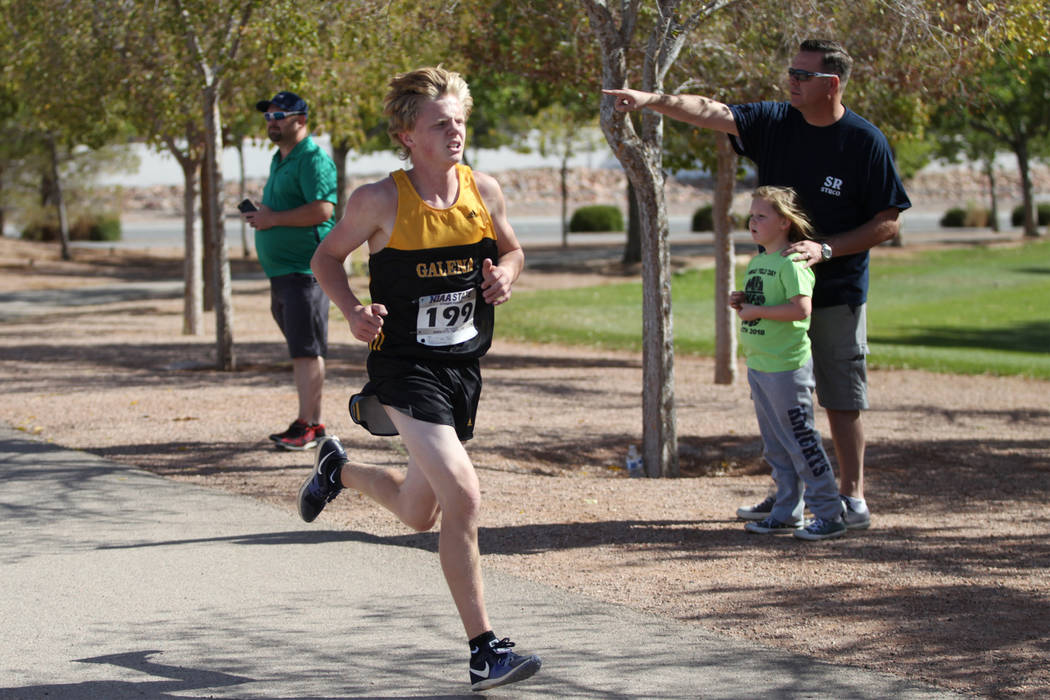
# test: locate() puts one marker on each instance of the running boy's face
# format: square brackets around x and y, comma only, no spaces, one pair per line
[768,228]
[440,131]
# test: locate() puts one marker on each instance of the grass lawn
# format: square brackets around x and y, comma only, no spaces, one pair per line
[973,310]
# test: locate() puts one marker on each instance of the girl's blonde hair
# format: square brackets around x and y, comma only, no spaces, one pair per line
[785,202]
[409,90]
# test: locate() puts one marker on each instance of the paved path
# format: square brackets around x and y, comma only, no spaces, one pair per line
[115,583]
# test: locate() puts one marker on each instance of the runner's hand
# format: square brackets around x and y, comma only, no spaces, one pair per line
[496,284]
[367,321]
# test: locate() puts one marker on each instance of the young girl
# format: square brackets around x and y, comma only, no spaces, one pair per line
[774,308]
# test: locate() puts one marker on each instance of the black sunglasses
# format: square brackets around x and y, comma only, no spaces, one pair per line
[805,75]
[277,116]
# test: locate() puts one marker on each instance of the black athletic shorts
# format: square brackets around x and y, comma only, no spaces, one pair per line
[440,392]
[300,307]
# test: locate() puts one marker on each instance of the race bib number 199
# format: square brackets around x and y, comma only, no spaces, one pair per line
[446,319]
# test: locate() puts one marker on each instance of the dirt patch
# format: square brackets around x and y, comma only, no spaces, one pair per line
[950,586]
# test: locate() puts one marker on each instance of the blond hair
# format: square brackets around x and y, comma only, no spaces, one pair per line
[409,90]
[785,202]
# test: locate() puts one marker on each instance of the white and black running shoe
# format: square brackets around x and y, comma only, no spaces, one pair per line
[498,665]
[324,484]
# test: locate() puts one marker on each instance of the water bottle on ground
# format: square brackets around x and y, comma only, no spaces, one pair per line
[634,462]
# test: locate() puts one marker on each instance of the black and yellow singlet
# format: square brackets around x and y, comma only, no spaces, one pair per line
[429,276]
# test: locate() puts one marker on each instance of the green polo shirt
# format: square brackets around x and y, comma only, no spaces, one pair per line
[306,175]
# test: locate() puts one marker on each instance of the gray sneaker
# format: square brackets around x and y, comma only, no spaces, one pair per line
[772,526]
[821,529]
[759,511]
[855,519]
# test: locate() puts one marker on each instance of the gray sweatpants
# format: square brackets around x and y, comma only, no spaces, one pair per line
[792,446]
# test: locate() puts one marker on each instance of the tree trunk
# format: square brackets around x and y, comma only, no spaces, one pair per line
[993,196]
[225,359]
[725,265]
[207,221]
[565,201]
[641,156]
[3,209]
[659,437]
[632,251]
[59,199]
[246,250]
[193,299]
[193,282]
[340,151]
[1027,200]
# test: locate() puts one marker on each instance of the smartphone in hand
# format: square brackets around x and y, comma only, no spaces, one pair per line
[247,206]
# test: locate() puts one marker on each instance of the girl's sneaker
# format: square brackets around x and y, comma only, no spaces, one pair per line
[772,526]
[759,511]
[821,529]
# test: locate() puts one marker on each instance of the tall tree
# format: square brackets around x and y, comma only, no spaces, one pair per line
[51,44]
[565,133]
[1008,103]
[663,30]
[213,32]
[713,65]
[530,91]
[154,73]
[360,47]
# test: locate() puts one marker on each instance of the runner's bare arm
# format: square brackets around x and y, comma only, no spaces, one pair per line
[369,216]
[500,275]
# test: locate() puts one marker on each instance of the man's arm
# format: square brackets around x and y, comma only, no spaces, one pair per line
[309,214]
[692,109]
[876,231]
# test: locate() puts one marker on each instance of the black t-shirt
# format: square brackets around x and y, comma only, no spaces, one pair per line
[844,174]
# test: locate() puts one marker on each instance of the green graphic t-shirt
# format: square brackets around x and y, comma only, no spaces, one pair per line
[775,346]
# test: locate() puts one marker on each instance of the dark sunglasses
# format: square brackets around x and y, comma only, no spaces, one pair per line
[277,116]
[805,75]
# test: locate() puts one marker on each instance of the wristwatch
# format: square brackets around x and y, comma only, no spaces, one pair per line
[825,252]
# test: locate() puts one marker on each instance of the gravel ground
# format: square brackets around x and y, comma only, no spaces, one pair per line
[950,586]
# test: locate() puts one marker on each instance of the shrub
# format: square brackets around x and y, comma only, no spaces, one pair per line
[954,218]
[703,219]
[970,217]
[977,217]
[105,227]
[1042,214]
[596,218]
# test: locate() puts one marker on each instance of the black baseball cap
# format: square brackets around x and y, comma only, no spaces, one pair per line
[285,102]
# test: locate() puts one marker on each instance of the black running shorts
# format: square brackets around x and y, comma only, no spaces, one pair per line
[446,393]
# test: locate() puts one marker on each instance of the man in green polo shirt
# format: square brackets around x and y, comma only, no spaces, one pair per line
[297,211]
